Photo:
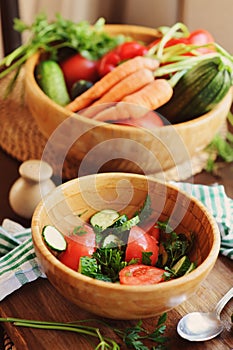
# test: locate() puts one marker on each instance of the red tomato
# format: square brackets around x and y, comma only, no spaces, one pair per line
[139,241]
[139,274]
[200,37]
[154,231]
[121,53]
[108,62]
[148,121]
[77,68]
[77,246]
[131,49]
[176,41]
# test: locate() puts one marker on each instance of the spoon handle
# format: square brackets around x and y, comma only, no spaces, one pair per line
[222,302]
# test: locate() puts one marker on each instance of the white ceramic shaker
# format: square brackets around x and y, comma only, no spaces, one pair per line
[32,185]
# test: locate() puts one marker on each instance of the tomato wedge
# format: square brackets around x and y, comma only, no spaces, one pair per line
[138,242]
[140,274]
[77,246]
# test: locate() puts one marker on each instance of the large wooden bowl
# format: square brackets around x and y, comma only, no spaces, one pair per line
[125,193]
[122,148]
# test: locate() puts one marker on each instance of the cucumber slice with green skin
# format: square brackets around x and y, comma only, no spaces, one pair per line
[111,241]
[104,218]
[127,225]
[54,238]
[182,266]
[120,220]
[191,268]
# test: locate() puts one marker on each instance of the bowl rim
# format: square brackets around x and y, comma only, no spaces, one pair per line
[201,270]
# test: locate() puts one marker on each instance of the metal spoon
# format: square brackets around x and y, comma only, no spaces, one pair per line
[201,326]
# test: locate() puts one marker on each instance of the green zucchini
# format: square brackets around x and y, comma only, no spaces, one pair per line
[54,239]
[104,218]
[198,91]
[181,267]
[191,268]
[50,78]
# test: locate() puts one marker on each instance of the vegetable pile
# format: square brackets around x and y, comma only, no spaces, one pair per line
[181,74]
[130,251]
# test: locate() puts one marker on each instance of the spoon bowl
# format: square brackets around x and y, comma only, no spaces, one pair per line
[202,326]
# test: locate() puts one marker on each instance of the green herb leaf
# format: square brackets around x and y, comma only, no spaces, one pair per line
[146,260]
[79,231]
[110,261]
[135,337]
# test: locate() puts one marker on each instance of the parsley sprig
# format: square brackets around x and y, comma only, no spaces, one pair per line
[133,337]
[91,42]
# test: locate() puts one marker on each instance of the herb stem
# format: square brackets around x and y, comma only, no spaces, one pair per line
[105,342]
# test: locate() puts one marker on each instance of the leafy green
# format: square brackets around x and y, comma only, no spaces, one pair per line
[91,41]
[111,261]
[145,211]
[220,148]
[146,260]
[90,268]
[175,246]
[133,337]
[79,231]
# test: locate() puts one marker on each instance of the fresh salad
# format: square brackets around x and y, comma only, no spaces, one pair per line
[118,249]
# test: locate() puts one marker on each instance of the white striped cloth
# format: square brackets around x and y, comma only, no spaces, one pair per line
[19,265]
[18,262]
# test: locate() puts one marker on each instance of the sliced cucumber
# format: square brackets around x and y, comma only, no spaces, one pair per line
[191,268]
[181,266]
[127,225]
[111,241]
[54,238]
[104,218]
[120,220]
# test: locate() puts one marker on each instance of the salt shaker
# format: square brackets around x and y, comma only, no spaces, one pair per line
[32,185]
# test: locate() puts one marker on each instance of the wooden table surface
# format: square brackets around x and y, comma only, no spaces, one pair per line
[39,300]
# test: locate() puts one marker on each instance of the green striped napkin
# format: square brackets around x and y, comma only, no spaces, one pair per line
[220,206]
[18,262]
[19,265]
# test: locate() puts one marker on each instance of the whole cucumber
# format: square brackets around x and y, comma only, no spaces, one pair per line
[51,80]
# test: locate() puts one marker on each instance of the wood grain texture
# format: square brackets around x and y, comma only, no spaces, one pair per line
[39,300]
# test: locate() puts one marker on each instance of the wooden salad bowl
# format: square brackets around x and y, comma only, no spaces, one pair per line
[120,147]
[125,193]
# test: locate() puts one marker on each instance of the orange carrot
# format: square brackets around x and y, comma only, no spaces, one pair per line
[151,96]
[127,86]
[111,79]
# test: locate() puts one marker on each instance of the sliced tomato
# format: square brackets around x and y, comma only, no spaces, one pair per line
[140,274]
[77,68]
[77,246]
[138,242]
